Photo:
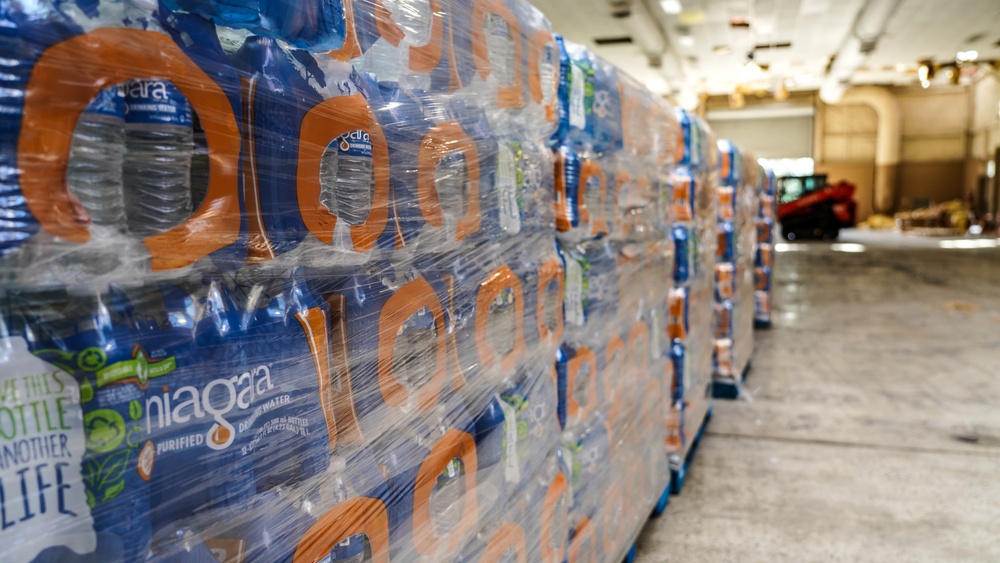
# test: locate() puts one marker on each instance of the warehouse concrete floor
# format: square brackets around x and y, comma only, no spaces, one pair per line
[871,431]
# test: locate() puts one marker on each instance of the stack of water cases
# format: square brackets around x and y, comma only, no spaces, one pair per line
[280,282]
[735,265]
[613,153]
[691,304]
[767,213]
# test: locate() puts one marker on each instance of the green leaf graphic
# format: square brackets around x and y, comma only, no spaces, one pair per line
[114,491]
[114,468]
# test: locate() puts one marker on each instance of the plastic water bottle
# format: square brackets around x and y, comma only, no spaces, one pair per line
[95,164]
[160,146]
[347,183]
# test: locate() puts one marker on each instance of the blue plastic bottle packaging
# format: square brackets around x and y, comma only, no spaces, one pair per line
[540,65]
[730,164]
[678,357]
[514,434]
[188,408]
[316,25]
[431,474]
[723,318]
[292,430]
[444,162]
[405,43]
[504,535]
[95,165]
[607,108]
[313,125]
[80,454]
[581,196]
[577,375]
[591,292]
[683,195]
[547,502]
[690,149]
[544,283]
[576,96]
[338,519]
[726,242]
[489,321]
[487,47]
[584,451]
[110,56]
[391,349]
[612,365]
[604,281]
[762,278]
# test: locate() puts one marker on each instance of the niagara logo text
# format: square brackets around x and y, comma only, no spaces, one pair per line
[217,399]
[155,89]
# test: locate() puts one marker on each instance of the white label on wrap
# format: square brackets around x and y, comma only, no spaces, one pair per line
[43,442]
[511,464]
[574,293]
[577,95]
[510,212]
[568,460]
[655,348]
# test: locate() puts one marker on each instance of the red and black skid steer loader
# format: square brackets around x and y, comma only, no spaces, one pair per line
[811,208]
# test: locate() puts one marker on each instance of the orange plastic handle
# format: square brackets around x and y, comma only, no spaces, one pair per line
[584,535]
[52,105]
[563,223]
[324,123]
[598,224]
[556,490]
[536,46]
[351,49]
[500,279]
[508,535]
[583,357]
[409,299]
[454,444]
[386,27]
[508,96]
[549,272]
[348,426]
[314,325]
[359,515]
[425,58]
[438,143]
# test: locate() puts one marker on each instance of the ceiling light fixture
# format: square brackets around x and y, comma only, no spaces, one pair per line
[925,72]
[672,7]
[686,40]
[966,56]
[657,84]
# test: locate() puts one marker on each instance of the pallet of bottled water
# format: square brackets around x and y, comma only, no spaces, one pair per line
[320,280]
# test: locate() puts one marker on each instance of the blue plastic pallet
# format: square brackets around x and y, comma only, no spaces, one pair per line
[678,476]
[728,389]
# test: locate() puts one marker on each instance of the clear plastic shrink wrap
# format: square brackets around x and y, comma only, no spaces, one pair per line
[735,267]
[766,221]
[318,281]
[691,304]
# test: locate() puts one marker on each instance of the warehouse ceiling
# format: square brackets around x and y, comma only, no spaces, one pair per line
[687,47]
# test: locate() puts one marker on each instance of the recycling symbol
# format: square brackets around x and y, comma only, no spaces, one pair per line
[602,102]
[91,359]
[142,367]
[532,177]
